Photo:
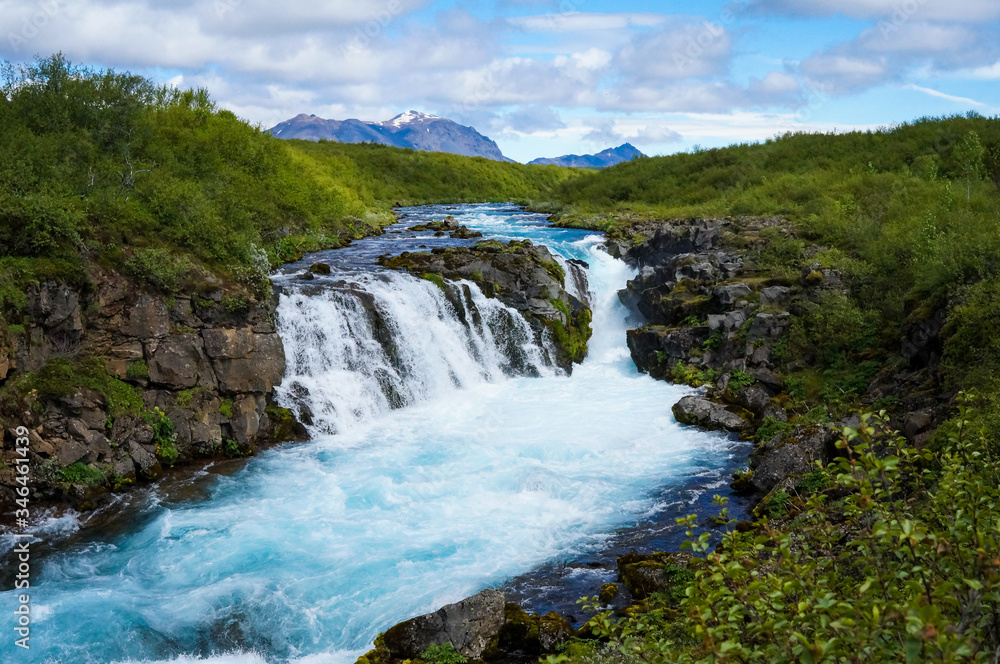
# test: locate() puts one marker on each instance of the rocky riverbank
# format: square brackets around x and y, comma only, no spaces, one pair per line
[115,384]
[720,315]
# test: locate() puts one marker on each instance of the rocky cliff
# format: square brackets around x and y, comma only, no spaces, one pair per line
[719,314]
[114,384]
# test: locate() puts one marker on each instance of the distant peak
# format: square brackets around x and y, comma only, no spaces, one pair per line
[410,116]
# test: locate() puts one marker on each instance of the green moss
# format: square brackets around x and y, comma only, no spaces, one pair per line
[81,473]
[284,423]
[571,340]
[185,398]
[437,279]
[442,654]
[226,407]
[62,377]
[137,370]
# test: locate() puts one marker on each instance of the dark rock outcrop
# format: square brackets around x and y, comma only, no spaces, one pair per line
[707,415]
[523,276]
[209,368]
[471,626]
[645,574]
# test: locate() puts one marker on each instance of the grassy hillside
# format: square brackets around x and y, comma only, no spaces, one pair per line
[107,168]
[409,177]
[909,214]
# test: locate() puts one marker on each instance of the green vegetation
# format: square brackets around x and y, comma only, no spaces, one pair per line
[442,654]
[163,435]
[410,177]
[137,370]
[64,376]
[902,569]
[81,473]
[907,216]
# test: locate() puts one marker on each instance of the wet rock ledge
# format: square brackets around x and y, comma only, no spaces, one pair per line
[520,274]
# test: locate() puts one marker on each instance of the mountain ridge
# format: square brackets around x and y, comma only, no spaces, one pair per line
[410,129]
[602,159]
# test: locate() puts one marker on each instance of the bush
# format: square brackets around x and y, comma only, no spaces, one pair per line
[81,473]
[902,569]
[442,654]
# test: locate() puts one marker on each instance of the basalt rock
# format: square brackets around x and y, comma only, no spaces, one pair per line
[791,454]
[707,415]
[472,626]
[184,355]
[645,574]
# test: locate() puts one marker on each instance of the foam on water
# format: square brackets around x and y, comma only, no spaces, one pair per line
[310,550]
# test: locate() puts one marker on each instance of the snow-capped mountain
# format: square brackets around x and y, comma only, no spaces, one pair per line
[603,159]
[412,129]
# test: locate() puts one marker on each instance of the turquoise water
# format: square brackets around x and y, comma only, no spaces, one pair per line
[305,553]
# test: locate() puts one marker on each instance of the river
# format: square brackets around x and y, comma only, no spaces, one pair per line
[459,460]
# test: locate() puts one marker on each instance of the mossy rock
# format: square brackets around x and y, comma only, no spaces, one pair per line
[378,655]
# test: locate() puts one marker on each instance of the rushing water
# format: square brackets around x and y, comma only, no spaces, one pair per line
[458,459]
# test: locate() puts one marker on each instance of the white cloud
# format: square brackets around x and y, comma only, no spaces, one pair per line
[891,10]
[942,95]
[591,21]
[680,51]
[989,72]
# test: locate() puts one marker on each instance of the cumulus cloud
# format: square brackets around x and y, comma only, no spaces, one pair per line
[679,51]
[581,21]
[954,10]
[887,54]
[533,118]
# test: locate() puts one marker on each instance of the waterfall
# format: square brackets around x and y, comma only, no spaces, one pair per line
[380,341]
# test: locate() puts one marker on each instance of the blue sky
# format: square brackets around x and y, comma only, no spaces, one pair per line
[549,77]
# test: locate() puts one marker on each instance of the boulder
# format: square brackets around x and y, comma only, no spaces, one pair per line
[319,268]
[245,419]
[775,295]
[56,307]
[790,454]
[148,319]
[259,371]
[470,626]
[727,295]
[645,574]
[532,635]
[228,343]
[707,414]
[179,362]
[768,326]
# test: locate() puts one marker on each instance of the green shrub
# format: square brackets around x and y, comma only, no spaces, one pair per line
[739,379]
[163,435]
[442,654]
[770,428]
[81,473]
[137,370]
